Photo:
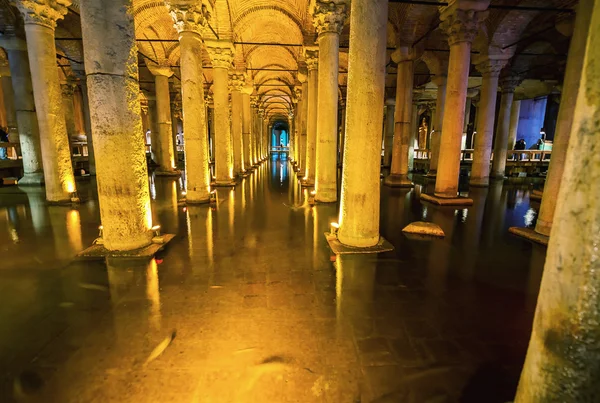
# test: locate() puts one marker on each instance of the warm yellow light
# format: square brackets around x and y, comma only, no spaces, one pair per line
[335,225]
[313,192]
[70,186]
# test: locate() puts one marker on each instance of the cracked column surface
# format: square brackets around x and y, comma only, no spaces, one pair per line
[247,126]
[40,22]
[434,143]
[490,70]
[562,362]
[221,55]
[359,205]
[402,119]
[237,82]
[29,134]
[462,26]
[190,22]
[329,19]
[312,61]
[166,156]
[110,56]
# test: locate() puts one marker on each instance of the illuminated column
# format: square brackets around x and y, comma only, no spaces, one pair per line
[388,136]
[254,131]
[9,105]
[87,125]
[247,126]
[264,139]
[40,21]
[462,26]
[501,142]
[312,60]
[260,122]
[303,111]
[490,70]
[112,77]
[190,22]
[514,124]
[403,113]
[166,160]
[562,359]
[221,55]
[67,90]
[329,19]
[434,142]
[29,135]
[297,123]
[342,130]
[359,205]
[237,83]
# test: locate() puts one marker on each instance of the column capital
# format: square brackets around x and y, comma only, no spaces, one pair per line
[403,54]
[188,16]
[509,83]
[261,112]
[159,69]
[237,81]
[462,24]
[254,101]
[67,88]
[329,16]
[311,57]
[221,53]
[297,93]
[42,12]
[490,66]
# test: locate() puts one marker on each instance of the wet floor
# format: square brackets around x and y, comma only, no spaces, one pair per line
[247,303]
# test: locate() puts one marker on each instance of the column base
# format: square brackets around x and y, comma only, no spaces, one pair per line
[307,183]
[536,195]
[398,181]
[99,251]
[529,234]
[224,184]
[33,179]
[447,201]
[165,172]
[340,249]
[326,197]
[423,230]
[186,201]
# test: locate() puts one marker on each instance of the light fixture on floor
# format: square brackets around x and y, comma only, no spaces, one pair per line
[74,197]
[311,197]
[99,240]
[333,228]
[157,237]
[213,197]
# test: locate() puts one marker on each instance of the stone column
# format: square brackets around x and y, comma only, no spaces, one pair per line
[264,139]
[329,19]
[461,25]
[312,61]
[404,94]
[297,123]
[29,135]
[501,142]
[490,70]
[9,107]
[359,205]
[190,23]
[78,112]
[40,21]
[342,130]
[110,59]
[247,126]
[237,83]
[221,55]
[388,138]
[562,360]
[436,136]
[254,130]
[514,124]
[166,160]
[87,125]
[210,126]
[412,136]
[303,135]
[67,90]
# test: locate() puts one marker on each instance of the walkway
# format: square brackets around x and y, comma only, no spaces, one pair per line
[261,309]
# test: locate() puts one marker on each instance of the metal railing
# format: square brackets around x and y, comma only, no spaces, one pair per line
[511,155]
[280,149]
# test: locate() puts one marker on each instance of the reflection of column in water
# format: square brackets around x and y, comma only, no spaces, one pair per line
[307,214]
[166,210]
[243,188]
[200,236]
[354,288]
[495,212]
[231,211]
[472,231]
[38,208]
[74,230]
[440,250]
[133,284]
[63,247]
[536,268]
[316,236]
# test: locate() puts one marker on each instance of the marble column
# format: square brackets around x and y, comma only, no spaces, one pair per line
[563,355]
[311,57]
[110,59]
[514,123]
[412,137]
[9,107]
[303,135]
[190,22]
[29,135]
[247,126]
[221,55]
[501,142]
[480,171]
[265,138]
[388,137]
[404,95]
[67,90]
[40,22]
[237,83]
[328,20]
[462,26]
[359,205]
[342,130]
[166,156]
[87,126]
[436,135]
[254,129]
